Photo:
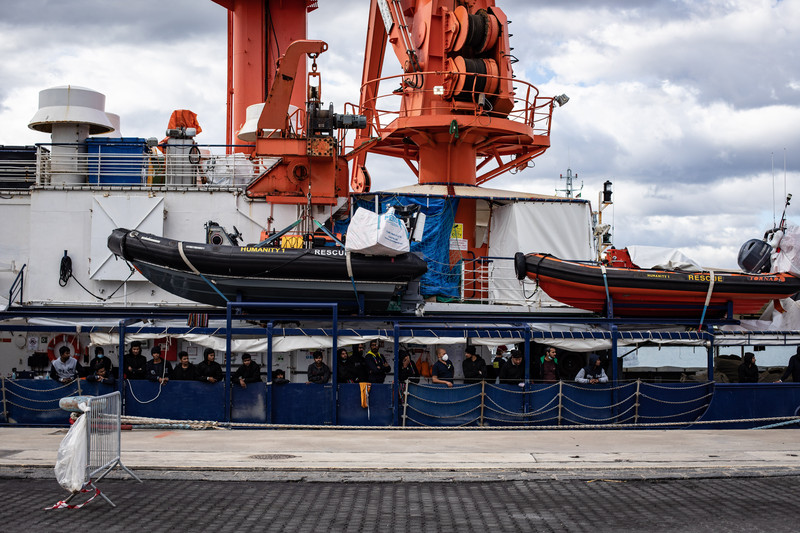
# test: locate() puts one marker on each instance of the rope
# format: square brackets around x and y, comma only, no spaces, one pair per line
[191,266]
[708,298]
[709,395]
[220,425]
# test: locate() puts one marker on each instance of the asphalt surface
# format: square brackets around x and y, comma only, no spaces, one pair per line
[732,504]
[420,480]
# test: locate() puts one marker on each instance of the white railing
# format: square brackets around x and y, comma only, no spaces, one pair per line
[133,165]
[491,280]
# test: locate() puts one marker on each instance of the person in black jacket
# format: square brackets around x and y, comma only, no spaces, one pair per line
[346,371]
[101,376]
[208,370]
[318,372]
[157,368]
[408,370]
[474,367]
[792,368]
[184,370]
[135,362]
[513,372]
[748,370]
[493,369]
[360,364]
[249,372]
[376,364]
[99,360]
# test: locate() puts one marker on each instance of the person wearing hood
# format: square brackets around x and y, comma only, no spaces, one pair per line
[474,367]
[346,371]
[593,372]
[443,370]
[748,370]
[99,360]
[209,371]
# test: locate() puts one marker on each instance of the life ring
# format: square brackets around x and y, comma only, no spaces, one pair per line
[58,340]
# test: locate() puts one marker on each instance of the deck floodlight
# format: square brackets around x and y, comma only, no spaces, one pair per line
[561,99]
[607,192]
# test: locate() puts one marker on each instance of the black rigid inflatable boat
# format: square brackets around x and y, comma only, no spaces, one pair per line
[214,274]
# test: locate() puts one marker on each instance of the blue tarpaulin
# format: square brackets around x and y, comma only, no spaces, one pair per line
[441,279]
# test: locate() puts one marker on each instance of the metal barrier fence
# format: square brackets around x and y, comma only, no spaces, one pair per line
[104,438]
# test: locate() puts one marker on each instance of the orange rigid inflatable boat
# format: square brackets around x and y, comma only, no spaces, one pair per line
[636,292]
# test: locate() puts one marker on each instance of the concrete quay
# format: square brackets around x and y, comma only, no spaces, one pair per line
[390,455]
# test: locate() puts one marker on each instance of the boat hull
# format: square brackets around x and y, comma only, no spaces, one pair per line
[654,293]
[214,274]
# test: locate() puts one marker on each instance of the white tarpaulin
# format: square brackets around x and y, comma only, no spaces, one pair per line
[563,229]
[659,258]
[788,258]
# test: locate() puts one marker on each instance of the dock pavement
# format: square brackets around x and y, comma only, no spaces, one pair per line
[420,455]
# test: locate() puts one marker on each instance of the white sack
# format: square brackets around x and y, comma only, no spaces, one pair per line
[373,234]
[71,462]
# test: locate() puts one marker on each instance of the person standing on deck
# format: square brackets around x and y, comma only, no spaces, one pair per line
[248,372]
[792,368]
[443,370]
[209,371]
[318,372]
[593,372]
[184,371]
[493,370]
[513,371]
[135,362]
[65,369]
[473,366]
[547,369]
[157,368]
[748,370]
[376,364]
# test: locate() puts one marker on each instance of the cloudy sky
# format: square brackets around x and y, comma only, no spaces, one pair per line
[685,105]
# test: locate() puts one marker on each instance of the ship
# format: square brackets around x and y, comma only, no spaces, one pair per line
[454,112]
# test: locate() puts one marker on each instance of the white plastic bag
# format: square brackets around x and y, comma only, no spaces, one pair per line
[373,234]
[71,462]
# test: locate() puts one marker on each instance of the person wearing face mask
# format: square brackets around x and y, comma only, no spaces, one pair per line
[100,361]
[443,369]
[748,370]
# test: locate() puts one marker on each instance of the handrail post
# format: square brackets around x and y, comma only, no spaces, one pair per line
[483,402]
[405,403]
[560,394]
[228,343]
[636,402]
[334,384]
[396,379]
[270,388]
[3,387]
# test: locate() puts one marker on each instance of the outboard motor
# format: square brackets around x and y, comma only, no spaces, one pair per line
[754,256]
[216,234]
